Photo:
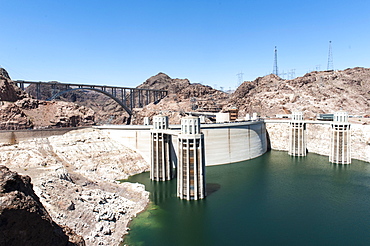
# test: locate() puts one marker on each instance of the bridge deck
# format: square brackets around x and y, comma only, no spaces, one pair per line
[127,97]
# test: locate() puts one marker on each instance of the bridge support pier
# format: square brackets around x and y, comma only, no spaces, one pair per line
[161,164]
[340,147]
[297,135]
[191,161]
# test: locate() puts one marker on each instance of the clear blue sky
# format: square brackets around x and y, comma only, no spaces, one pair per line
[125,42]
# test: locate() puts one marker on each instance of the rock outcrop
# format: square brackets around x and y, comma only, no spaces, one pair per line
[105,110]
[45,114]
[314,93]
[75,176]
[8,91]
[182,88]
[23,219]
[19,111]
[183,97]
[29,113]
[12,117]
[162,81]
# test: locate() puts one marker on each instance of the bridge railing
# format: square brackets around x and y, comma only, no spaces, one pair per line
[129,97]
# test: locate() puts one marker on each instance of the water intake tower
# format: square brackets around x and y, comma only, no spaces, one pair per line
[297,135]
[191,160]
[161,164]
[340,144]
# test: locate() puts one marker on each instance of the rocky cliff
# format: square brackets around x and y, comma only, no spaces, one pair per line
[183,97]
[104,109]
[8,91]
[20,111]
[314,93]
[24,220]
[181,87]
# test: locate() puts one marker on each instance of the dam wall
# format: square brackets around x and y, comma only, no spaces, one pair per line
[318,138]
[234,142]
[224,143]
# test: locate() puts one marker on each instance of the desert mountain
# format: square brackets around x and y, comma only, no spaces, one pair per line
[314,93]
[183,96]
[181,87]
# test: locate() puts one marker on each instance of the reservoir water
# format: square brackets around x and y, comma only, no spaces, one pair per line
[275,199]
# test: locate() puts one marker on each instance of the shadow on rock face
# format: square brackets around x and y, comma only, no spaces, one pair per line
[23,218]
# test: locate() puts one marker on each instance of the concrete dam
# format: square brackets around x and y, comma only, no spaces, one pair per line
[223,143]
[190,147]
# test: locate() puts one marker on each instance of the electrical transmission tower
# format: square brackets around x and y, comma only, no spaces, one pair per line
[330,58]
[240,78]
[291,74]
[275,71]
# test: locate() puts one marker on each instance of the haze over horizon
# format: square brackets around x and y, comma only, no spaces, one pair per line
[125,42]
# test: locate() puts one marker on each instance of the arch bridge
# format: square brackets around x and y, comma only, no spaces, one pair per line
[128,98]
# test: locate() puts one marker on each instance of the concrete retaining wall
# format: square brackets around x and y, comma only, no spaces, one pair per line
[318,139]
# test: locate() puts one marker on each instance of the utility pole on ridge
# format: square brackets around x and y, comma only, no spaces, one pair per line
[275,71]
[330,58]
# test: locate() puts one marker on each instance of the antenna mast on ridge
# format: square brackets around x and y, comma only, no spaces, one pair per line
[330,58]
[275,71]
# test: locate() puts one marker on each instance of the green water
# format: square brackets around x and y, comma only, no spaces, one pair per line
[272,200]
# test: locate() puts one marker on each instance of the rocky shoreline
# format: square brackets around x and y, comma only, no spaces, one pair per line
[75,177]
